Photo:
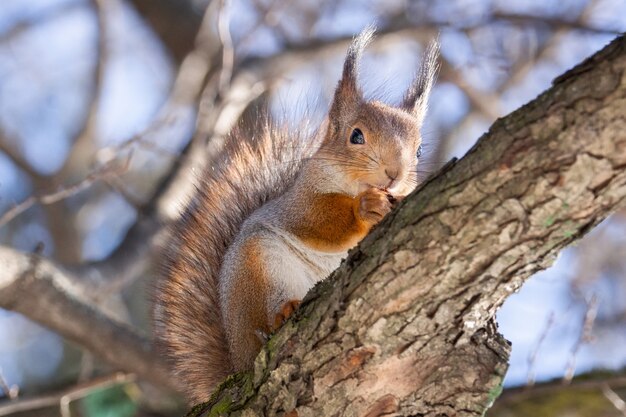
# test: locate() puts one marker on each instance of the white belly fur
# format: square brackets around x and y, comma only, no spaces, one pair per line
[295,268]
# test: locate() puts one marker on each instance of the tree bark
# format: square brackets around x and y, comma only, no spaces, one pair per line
[405,325]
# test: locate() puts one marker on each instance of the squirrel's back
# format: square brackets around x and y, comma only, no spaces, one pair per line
[251,171]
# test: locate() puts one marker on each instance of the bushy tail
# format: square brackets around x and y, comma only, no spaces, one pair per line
[187,313]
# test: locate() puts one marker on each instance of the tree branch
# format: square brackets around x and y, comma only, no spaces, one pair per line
[111,168]
[47,294]
[404,325]
[554,22]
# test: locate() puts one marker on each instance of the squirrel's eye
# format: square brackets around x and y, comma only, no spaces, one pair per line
[419,151]
[357,137]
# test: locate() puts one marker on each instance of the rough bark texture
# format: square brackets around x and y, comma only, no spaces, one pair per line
[404,326]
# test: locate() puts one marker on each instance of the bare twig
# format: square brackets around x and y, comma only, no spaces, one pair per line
[228,52]
[120,188]
[585,336]
[65,192]
[555,23]
[65,398]
[11,392]
[87,131]
[532,357]
[615,399]
[523,66]
[267,17]
[87,365]
[484,102]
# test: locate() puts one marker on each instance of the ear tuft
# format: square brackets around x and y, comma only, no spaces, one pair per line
[355,51]
[416,98]
[348,95]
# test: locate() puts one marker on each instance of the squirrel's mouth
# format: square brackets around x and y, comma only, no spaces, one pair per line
[384,182]
[388,188]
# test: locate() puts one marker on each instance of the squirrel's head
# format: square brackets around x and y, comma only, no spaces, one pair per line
[371,144]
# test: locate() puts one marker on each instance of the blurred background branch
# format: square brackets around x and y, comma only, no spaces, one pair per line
[63,399]
[42,291]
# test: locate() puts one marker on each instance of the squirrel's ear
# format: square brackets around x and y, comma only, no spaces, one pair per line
[416,98]
[348,95]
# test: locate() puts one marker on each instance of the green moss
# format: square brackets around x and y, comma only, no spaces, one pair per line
[222,407]
[569,233]
[197,410]
[225,399]
[569,402]
[494,393]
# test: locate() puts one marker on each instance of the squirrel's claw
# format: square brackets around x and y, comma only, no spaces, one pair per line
[285,312]
[373,205]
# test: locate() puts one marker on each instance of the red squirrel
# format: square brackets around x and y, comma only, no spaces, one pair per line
[277,216]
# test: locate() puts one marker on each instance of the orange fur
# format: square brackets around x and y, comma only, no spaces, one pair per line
[329,223]
[285,312]
[249,309]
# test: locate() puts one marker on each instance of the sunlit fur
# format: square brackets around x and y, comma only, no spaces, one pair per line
[386,160]
[278,215]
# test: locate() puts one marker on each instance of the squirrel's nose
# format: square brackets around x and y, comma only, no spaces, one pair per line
[392,173]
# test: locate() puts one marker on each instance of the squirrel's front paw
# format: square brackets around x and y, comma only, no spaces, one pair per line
[373,205]
[285,312]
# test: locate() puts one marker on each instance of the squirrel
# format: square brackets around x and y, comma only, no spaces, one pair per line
[276,216]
